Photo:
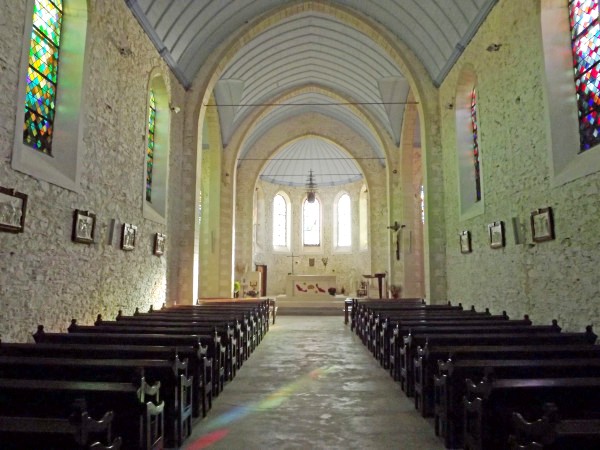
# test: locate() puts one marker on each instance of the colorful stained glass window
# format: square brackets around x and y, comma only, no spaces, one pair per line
[475,130]
[42,75]
[150,149]
[585,39]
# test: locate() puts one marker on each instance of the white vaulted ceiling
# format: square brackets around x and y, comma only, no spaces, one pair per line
[354,79]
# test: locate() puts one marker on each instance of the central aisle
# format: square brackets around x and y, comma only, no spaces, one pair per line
[311,384]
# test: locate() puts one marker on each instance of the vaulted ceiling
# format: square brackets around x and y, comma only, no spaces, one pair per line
[354,79]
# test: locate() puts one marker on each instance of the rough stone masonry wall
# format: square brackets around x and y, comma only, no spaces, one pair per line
[556,279]
[44,277]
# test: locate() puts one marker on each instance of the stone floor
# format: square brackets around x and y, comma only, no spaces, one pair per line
[311,384]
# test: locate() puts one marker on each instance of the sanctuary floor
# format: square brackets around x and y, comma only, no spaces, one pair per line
[311,384]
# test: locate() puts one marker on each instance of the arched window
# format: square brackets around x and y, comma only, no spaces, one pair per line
[569,40]
[150,145]
[343,221]
[156,163]
[280,221]
[468,145]
[474,130]
[584,44]
[42,74]
[48,141]
[363,218]
[311,223]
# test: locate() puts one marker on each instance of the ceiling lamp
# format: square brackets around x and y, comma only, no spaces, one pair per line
[311,187]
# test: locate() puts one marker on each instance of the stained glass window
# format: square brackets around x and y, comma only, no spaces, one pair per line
[279,221]
[344,222]
[585,39]
[42,74]
[150,149]
[311,223]
[475,130]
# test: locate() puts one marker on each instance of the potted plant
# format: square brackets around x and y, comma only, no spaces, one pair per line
[395,290]
[236,289]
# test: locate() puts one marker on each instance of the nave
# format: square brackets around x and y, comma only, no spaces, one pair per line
[311,384]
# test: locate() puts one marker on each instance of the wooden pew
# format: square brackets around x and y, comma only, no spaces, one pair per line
[450,385]
[137,419]
[488,405]
[426,364]
[170,377]
[502,337]
[554,432]
[56,426]
[199,367]
[221,336]
[212,343]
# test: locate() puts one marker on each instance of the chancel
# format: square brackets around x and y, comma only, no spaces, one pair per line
[243,177]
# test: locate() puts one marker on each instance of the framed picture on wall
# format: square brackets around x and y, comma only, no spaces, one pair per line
[159,244]
[465,241]
[496,234]
[84,227]
[128,236]
[13,206]
[542,225]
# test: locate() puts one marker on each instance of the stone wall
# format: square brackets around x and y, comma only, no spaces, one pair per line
[555,279]
[45,278]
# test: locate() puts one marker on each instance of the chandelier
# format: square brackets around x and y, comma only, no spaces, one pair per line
[311,187]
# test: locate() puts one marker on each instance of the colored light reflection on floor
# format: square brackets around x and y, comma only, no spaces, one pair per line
[215,430]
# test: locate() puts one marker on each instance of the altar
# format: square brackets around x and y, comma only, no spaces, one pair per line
[309,285]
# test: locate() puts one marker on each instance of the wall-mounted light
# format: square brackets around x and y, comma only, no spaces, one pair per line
[493,47]
[175,109]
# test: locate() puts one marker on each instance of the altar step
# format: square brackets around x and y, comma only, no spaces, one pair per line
[317,305]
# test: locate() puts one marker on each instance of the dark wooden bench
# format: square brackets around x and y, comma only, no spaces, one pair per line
[199,367]
[137,419]
[56,426]
[552,432]
[489,404]
[426,364]
[503,337]
[450,384]
[218,337]
[169,376]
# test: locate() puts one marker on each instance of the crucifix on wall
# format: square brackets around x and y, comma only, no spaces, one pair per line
[398,229]
[293,256]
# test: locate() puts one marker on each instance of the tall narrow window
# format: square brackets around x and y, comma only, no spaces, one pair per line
[474,129]
[280,221]
[422,195]
[311,223]
[42,74]
[150,149]
[344,222]
[363,219]
[585,43]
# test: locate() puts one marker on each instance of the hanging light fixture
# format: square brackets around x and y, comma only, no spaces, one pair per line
[311,187]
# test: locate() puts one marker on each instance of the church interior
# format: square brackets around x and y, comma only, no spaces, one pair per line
[160,153]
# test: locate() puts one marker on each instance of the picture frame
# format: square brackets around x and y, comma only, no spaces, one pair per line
[84,227]
[128,237]
[496,234]
[542,225]
[465,241]
[159,244]
[13,206]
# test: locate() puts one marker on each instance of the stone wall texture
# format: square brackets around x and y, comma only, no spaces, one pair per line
[44,277]
[557,279]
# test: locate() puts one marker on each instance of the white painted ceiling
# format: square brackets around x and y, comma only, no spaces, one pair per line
[353,79]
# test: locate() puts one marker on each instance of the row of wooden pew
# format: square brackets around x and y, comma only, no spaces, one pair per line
[138,382]
[488,381]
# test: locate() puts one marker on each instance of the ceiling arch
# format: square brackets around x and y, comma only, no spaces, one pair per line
[330,164]
[186,32]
